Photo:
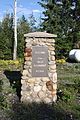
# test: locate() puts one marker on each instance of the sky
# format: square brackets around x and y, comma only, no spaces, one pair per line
[25,7]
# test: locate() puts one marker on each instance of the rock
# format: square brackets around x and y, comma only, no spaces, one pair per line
[53,58]
[48,100]
[37,88]
[23,87]
[28,89]
[28,45]
[27,58]
[55,86]
[54,98]
[55,77]
[50,75]
[53,71]
[28,63]
[44,88]
[23,82]
[51,48]
[53,66]
[41,94]
[28,50]
[48,44]
[25,72]
[52,53]
[24,77]
[50,40]
[31,80]
[51,62]
[45,79]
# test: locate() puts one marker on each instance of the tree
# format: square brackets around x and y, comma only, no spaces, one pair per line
[60,18]
[6,37]
[32,22]
[23,28]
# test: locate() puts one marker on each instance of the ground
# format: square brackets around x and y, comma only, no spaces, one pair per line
[67,106]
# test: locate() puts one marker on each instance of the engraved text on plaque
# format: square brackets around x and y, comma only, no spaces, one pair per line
[39,61]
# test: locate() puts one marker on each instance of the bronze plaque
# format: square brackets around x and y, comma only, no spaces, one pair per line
[39,61]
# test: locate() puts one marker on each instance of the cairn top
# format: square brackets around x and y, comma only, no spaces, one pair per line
[40,35]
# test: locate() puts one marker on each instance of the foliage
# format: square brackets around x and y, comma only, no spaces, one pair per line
[67,105]
[62,18]
[62,61]
[23,28]
[6,37]
[9,62]
[32,22]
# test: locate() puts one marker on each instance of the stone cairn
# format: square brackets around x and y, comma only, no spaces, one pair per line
[42,88]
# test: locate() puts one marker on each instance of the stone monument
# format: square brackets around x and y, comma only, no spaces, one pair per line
[39,77]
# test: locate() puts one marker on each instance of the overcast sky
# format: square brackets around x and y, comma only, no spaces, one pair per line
[25,7]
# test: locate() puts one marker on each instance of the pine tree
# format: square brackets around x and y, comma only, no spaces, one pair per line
[6,37]
[61,19]
[32,22]
[23,28]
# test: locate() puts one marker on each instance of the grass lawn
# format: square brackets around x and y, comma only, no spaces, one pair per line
[67,106]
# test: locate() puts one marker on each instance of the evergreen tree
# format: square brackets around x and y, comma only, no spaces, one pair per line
[6,37]
[23,28]
[60,18]
[32,22]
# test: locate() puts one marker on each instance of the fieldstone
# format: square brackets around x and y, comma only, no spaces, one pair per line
[24,77]
[48,44]
[48,100]
[53,58]
[45,79]
[31,80]
[27,40]
[28,45]
[38,78]
[23,87]
[51,48]
[53,93]
[53,71]
[25,72]
[50,75]
[29,99]
[29,75]
[50,40]
[53,67]
[41,94]
[55,86]
[44,88]
[52,53]
[37,100]
[55,77]
[27,58]
[28,88]
[28,50]
[23,82]
[54,98]
[29,70]
[29,63]
[51,63]
[25,67]
[37,88]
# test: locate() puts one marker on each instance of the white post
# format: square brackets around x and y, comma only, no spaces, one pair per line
[15,31]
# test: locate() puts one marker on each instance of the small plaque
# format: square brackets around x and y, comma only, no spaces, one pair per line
[39,61]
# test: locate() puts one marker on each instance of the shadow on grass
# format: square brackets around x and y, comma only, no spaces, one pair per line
[14,78]
[35,111]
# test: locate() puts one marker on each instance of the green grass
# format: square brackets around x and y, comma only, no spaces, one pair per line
[67,105]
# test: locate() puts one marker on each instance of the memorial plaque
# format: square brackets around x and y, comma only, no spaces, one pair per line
[39,61]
